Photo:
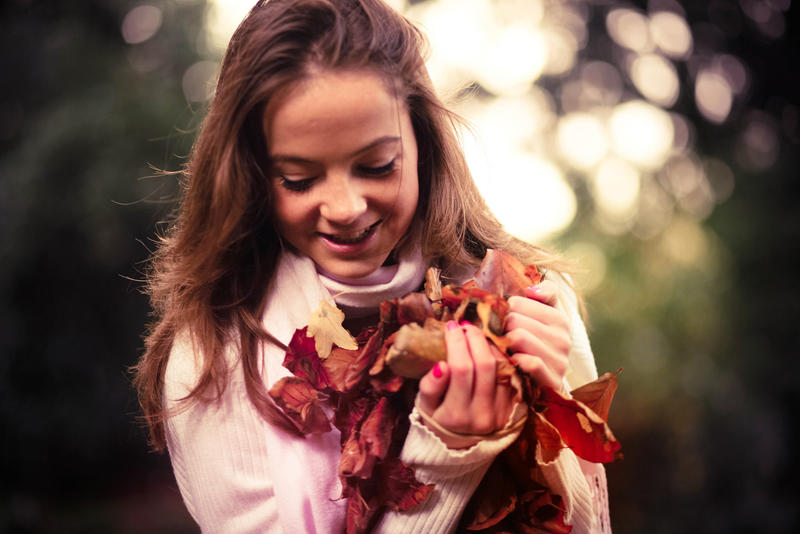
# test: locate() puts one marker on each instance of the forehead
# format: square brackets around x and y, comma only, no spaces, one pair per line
[332,110]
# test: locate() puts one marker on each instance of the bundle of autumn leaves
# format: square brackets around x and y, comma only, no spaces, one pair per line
[370,383]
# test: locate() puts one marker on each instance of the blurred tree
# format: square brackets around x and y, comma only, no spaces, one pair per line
[700,313]
[83,114]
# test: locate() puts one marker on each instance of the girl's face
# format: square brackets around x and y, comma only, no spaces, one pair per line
[344,170]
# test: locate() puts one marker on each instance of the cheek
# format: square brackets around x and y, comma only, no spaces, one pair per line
[287,212]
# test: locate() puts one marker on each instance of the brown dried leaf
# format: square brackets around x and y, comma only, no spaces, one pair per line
[414,308]
[433,284]
[300,402]
[416,349]
[400,490]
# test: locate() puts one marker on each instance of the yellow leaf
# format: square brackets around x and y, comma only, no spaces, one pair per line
[325,326]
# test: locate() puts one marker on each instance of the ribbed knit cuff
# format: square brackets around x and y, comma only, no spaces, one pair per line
[455,473]
[566,479]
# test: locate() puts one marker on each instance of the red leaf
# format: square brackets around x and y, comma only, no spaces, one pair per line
[375,434]
[598,394]
[359,512]
[300,401]
[355,461]
[369,443]
[400,490]
[546,512]
[349,415]
[502,274]
[582,430]
[302,360]
[495,498]
[346,369]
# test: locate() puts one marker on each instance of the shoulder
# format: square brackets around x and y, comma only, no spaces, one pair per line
[186,366]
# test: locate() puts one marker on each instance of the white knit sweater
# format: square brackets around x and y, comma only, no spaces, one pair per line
[238,474]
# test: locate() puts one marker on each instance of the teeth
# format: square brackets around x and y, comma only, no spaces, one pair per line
[353,238]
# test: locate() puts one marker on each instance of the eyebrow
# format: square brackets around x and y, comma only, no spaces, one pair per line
[280,158]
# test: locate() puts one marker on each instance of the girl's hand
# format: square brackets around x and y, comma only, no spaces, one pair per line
[462,396]
[540,335]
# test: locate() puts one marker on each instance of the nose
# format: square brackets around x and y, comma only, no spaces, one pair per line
[343,202]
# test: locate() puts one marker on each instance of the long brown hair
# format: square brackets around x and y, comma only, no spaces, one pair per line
[211,270]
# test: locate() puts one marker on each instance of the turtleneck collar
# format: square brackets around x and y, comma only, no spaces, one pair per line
[363,296]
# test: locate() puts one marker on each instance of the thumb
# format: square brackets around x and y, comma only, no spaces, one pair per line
[433,386]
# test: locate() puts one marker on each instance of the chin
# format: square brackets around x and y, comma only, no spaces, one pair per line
[352,270]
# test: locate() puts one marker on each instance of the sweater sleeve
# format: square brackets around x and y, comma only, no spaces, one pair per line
[455,473]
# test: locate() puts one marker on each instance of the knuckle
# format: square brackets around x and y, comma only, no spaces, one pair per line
[483,422]
[460,370]
[485,365]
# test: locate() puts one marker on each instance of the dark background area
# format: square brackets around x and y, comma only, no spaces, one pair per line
[709,437]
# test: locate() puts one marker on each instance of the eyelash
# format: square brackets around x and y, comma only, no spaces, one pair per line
[296,186]
[379,171]
[299,186]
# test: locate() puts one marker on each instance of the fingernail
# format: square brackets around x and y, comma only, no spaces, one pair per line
[465,323]
[451,325]
[536,289]
[437,371]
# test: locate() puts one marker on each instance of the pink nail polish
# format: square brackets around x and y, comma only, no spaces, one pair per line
[437,371]
[465,323]
[451,325]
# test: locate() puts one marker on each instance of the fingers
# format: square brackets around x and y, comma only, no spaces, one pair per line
[483,394]
[539,334]
[432,387]
[459,360]
[462,396]
[526,334]
[545,292]
[541,311]
[538,370]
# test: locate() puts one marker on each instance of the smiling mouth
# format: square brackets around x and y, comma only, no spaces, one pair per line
[351,239]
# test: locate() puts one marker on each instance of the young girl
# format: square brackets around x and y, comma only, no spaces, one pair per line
[326,166]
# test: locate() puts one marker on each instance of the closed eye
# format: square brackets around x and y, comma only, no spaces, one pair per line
[378,171]
[296,186]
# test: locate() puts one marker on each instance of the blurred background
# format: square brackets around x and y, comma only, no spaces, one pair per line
[654,142]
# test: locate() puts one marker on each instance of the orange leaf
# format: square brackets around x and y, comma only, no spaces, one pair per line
[598,394]
[502,274]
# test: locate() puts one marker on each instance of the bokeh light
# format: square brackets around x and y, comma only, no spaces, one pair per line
[541,100]
[656,79]
[641,133]
[629,28]
[199,80]
[671,34]
[141,23]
